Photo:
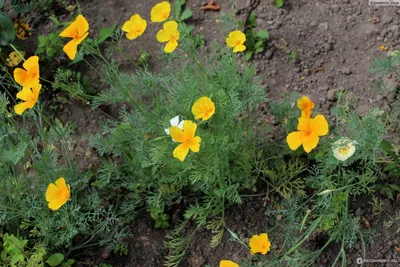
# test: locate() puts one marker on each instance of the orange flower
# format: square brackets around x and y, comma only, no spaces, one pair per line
[203,108]
[228,263]
[306,106]
[78,31]
[29,96]
[169,34]
[259,244]
[134,27]
[29,76]
[309,130]
[187,138]
[160,12]
[57,194]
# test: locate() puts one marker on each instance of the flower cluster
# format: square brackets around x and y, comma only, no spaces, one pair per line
[184,132]
[308,129]
[257,243]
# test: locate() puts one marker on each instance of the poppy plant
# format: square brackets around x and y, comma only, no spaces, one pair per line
[187,139]
[309,131]
[306,106]
[175,122]
[134,27]
[29,76]
[259,244]
[169,34]
[78,31]
[57,194]
[29,96]
[236,41]
[203,108]
[160,12]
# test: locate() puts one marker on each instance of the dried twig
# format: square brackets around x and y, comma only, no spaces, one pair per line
[211,6]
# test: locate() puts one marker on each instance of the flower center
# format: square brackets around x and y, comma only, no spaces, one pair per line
[344,150]
[238,42]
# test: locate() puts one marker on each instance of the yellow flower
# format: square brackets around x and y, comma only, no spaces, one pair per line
[306,106]
[343,149]
[14,58]
[57,194]
[29,76]
[29,96]
[169,34]
[203,108]
[259,244]
[160,12]
[134,27]
[228,263]
[309,130]
[78,31]
[187,138]
[236,40]
[22,30]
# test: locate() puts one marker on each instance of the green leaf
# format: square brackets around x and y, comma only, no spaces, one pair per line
[50,52]
[395,187]
[247,55]
[259,44]
[55,259]
[262,34]
[388,192]
[7,30]
[1,3]
[187,13]
[279,3]
[252,20]
[41,39]
[23,8]
[386,146]
[3,255]
[105,33]
[259,49]
[178,8]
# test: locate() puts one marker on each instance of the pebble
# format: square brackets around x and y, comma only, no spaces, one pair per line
[331,95]
[358,210]
[386,17]
[347,71]
[371,30]
[362,110]
[335,8]
[323,26]
[357,246]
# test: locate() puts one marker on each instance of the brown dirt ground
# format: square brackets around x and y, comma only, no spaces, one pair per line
[335,42]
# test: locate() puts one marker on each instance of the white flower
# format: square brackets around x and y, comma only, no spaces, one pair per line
[175,122]
[343,148]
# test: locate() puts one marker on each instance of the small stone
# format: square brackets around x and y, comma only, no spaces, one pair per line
[306,72]
[313,23]
[378,98]
[387,17]
[331,95]
[362,110]
[347,71]
[297,70]
[371,30]
[323,26]
[335,8]
[105,254]
[273,72]
[357,246]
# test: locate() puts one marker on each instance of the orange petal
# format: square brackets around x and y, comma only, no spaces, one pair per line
[195,144]
[82,25]
[310,142]
[177,134]
[189,128]
[71,31]
[320,125]
[21,107]
[71,49]
[25,94]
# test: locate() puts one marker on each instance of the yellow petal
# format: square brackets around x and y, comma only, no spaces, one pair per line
[295,139]
[79,40]
[128,26]
[32,66]
[189,128]
[82,25]
[20,76]
[230,42]
[21,107]
[235,38]
[162,36]
[36,91]
[171,26]
[305,103]
[195,144]
[57,194]
[239,48]
[170,46]
[228,263]
[181,151]
[25,94]
[310,142]
[177,134]
[71,49]
[320,125]
[160,12]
